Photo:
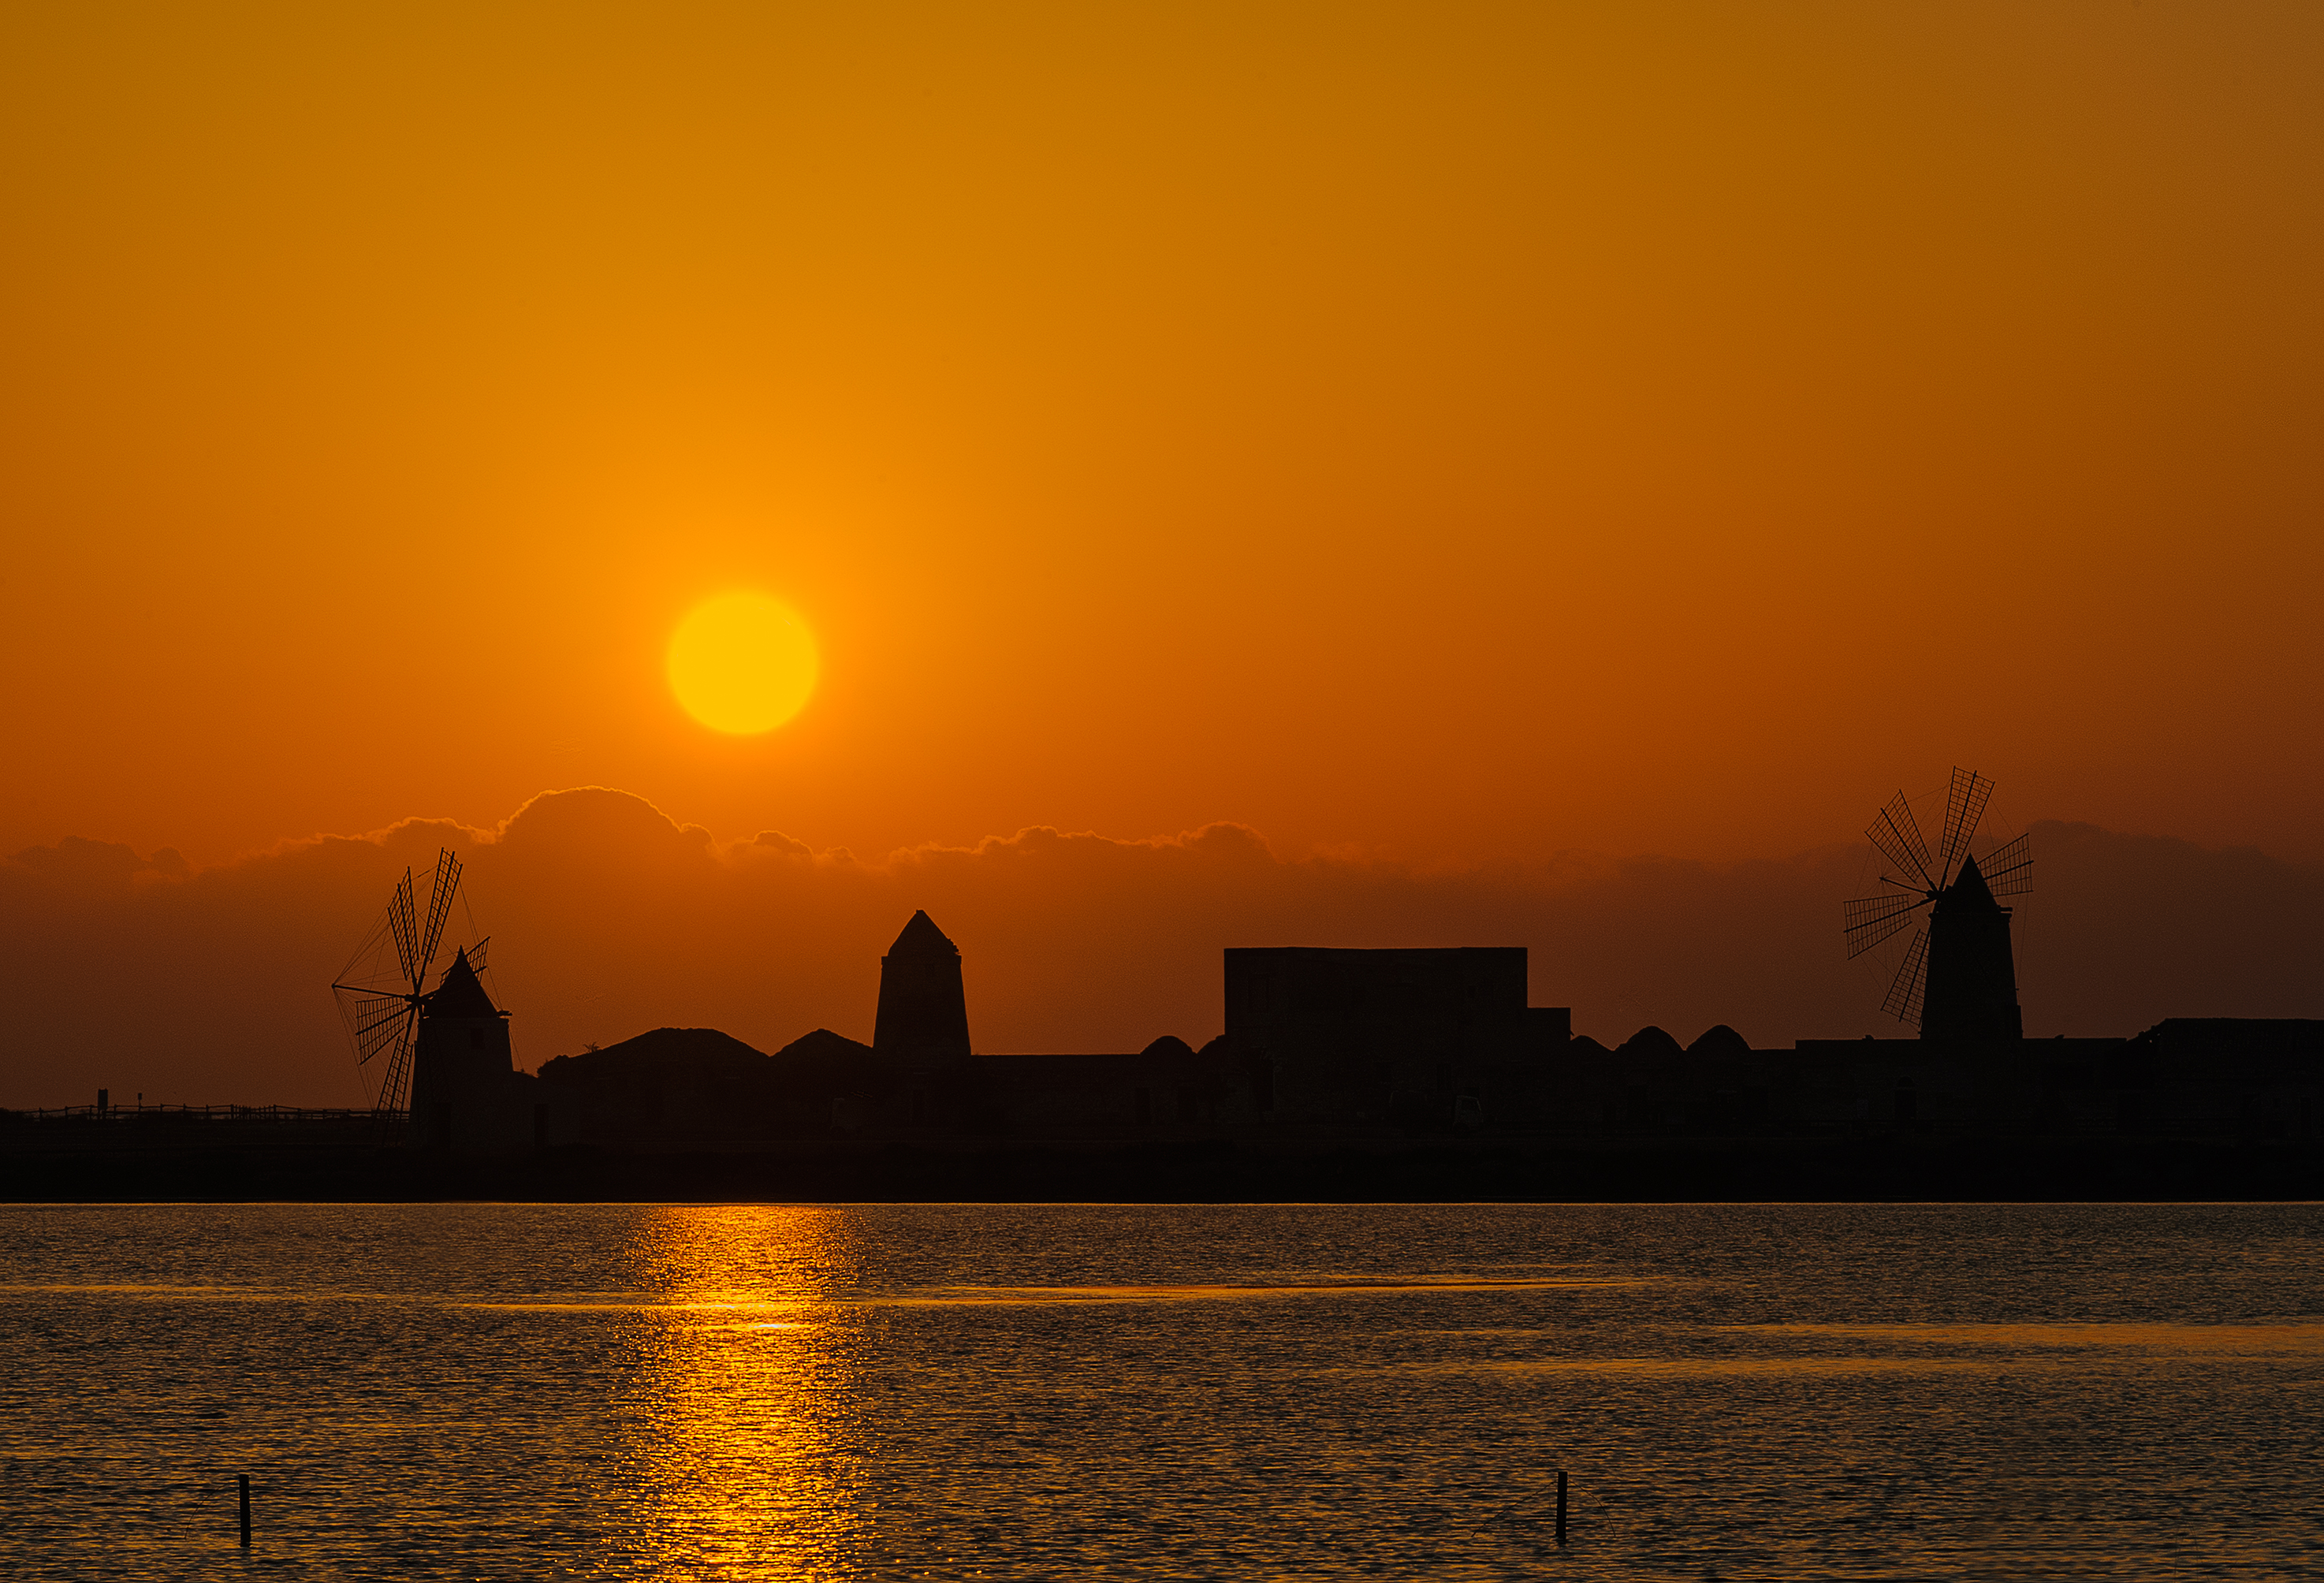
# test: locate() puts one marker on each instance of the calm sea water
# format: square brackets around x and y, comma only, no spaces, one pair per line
[1777,1391]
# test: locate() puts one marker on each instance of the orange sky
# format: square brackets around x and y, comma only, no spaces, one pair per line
[1460,434]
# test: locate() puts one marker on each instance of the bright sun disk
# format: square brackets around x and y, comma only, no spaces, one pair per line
[743,663]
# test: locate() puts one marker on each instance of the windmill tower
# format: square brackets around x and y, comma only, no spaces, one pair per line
[1958,979]
[441,1055]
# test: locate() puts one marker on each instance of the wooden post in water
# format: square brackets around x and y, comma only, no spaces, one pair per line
[1561,1510]
[244,1480]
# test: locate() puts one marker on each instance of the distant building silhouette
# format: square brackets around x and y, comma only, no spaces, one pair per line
[922,1021]
[1415,1043]
[1415,1036]
[1957,981]
[1409,1044]
[465,1086]
[1972,989]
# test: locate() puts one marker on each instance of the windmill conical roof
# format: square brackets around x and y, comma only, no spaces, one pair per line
[921,937]
[461,994]
[1969,890]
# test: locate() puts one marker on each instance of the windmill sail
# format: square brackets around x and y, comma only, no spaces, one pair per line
[1964,809]
[2009,870]
[439,905]
[1874,918]
[1904,1001]
[1897,834]
[401,924]
[376,1021]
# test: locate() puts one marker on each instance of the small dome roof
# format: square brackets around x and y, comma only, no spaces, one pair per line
[1168,1047]
[1721,1040]
[1649,1041]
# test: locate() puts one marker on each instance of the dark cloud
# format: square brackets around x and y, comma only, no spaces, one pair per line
[609,917]
[76,864]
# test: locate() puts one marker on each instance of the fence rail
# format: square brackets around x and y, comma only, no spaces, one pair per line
[131,1115]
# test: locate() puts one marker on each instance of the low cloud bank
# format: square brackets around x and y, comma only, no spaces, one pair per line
[608,917]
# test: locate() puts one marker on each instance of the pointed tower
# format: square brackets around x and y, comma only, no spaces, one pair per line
[461,1068]
[1972,986]
[923,1020]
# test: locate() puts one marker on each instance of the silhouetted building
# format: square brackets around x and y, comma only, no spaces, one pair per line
[922,1022]
[1718,1083]
[466,1095]
[1919,1083]
[1406,1041]
[1972,988]
[1413,1037]
[2250,1077]
[670,1083]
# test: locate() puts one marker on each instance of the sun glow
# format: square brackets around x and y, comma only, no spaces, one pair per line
[743,663]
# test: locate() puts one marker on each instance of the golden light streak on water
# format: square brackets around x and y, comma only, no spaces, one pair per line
[742,1403]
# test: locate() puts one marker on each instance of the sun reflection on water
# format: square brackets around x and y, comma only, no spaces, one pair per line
[744,1404]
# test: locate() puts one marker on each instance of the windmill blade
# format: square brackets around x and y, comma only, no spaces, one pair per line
[1866,922]
[376,1023]
[395,1086]
[383,1028]
[371,1018]
[402,924]
[2010,870]
[1964,807]
[439,904]
[1897,834]
[1904,1002]
[477,954]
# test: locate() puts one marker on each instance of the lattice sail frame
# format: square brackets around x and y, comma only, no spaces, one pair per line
[1875,918]
[1897,834]
[1964,811]
[1905,991]
[2008,870]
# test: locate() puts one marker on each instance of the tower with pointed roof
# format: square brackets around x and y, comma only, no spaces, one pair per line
[462,1068]
[923,1016]
[1972,986]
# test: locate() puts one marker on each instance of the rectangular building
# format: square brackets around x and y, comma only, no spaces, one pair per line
[1367,1037]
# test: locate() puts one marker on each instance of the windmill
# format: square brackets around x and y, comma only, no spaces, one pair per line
[1957,979]
[382,1003]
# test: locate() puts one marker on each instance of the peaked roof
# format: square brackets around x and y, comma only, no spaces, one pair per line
[460,994]
[921,937]
[662,1053]
[823,1044]
[1969,890]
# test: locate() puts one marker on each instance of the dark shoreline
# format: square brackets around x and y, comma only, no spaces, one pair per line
[1868,1168]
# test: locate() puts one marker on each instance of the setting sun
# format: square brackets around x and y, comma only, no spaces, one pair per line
[743,663]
